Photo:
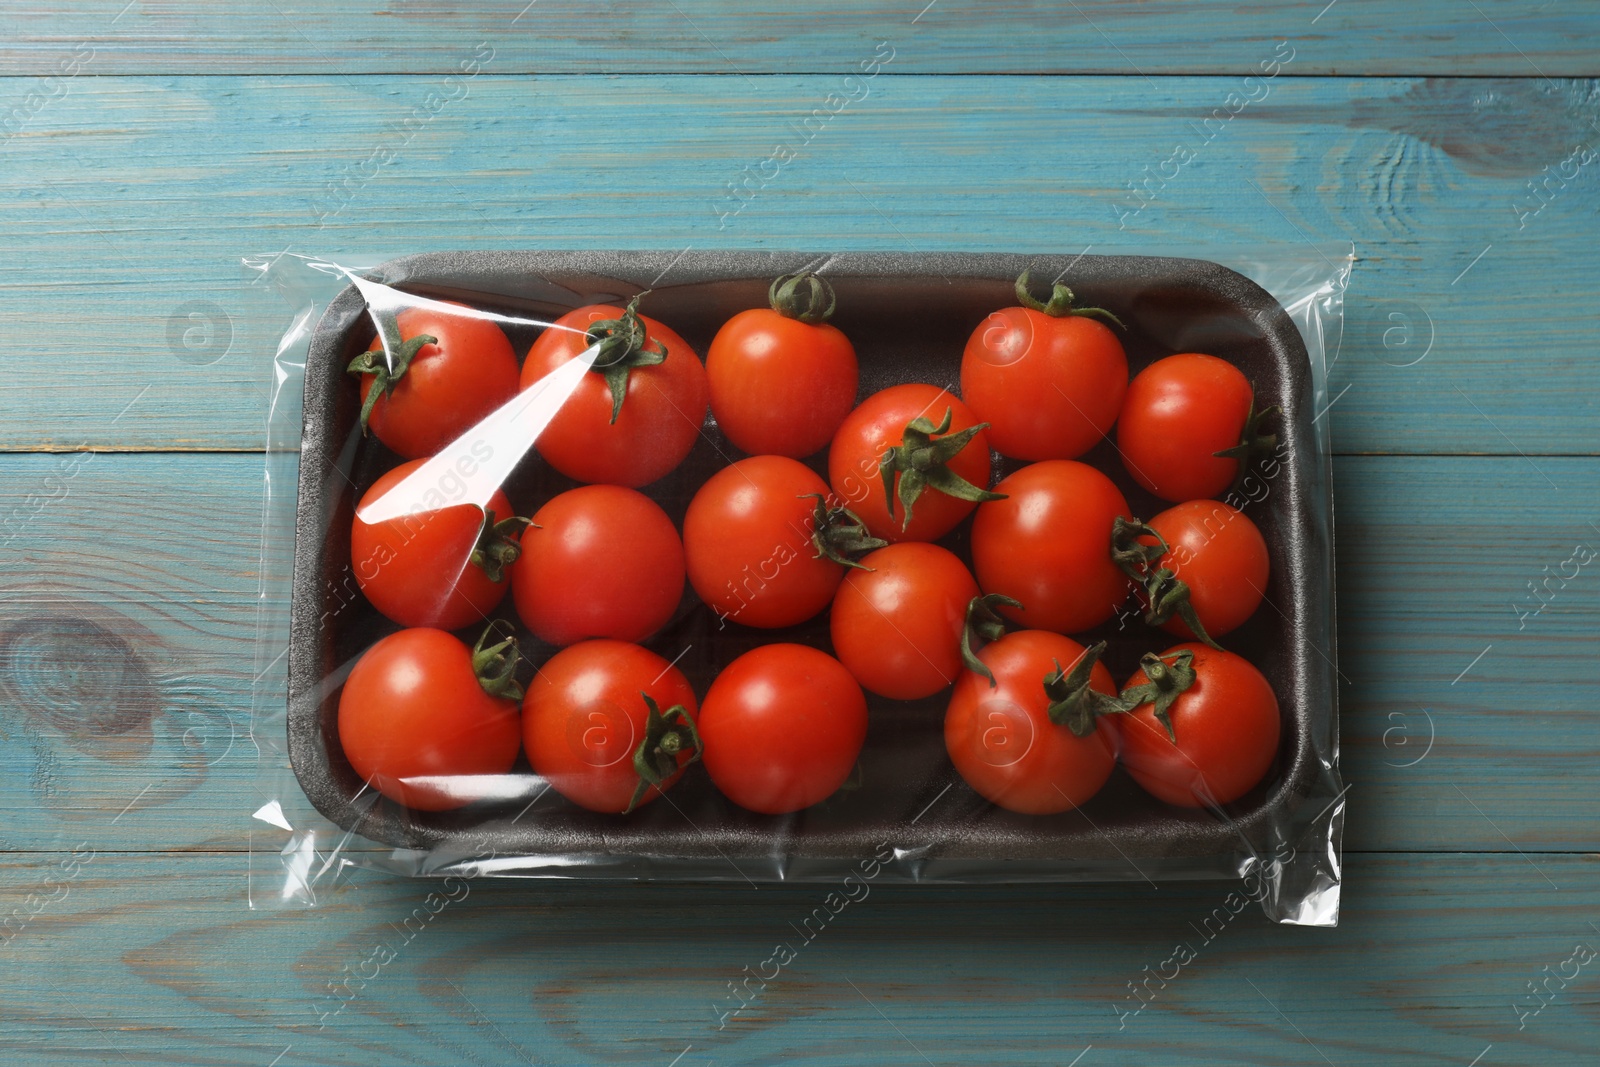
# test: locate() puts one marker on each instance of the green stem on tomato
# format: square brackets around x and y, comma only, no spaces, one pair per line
[1073,702]
[983,622]
[498,547]
[839,534]
[1060,303]
[623,344]
[804,297]
[667,735]
[921,461]
[1165,683]
[496,665]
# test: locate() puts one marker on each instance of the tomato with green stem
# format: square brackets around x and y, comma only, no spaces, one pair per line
[1029,733]
[442,565]
[610,725]
[1190,428]
[1201,567]
[912,461]
[1048,545]
[636,416]
[1048,377]
[783,378]
[1203,726]
[781,728]
[598,561]
[430,723]
[433,372]
[897,621]
[764,546]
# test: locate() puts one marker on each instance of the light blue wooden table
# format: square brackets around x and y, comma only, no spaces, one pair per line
[144,149]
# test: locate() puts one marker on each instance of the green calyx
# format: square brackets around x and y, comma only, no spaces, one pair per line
[1073,703]
[983,623]
[496,665]
[667,735]
[1165,596]
[1166,682]
[623,344]
[386,374]
[1060,303]
[498,547]
[839,534]
[1253,445]
[806,297]
[921,460]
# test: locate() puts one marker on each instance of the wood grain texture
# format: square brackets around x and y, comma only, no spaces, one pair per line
[1349,37]
[128,623]
[130,201]
[155,959]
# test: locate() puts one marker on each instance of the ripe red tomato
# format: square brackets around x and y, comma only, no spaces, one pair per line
[1014,742]
[1046,377]
[587,722]
[750,538]
[935,450]
[1180,414]
[599,561]
[897,624]
[781,728]
[443,566]
[782,378]
[1048,545]
[439,389]
[1220,556]
[422,722]
[1224,733]
[637,415]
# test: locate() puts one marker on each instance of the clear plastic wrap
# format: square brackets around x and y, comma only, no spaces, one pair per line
[599,564]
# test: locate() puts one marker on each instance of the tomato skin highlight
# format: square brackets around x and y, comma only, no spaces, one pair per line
[782,727]
[780,386]
[412,709]
[583,717]
[1050,387]
[1002,741]
[877,425]
[1049,545]
[1220,554]
[599,561]
[662,413]
[1227,727]
[897,627]
[416,569]
[448,387]
[1177,413]
[747,536]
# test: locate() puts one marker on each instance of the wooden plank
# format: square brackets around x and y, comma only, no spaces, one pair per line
[1493,37]
[128,619]
[130,202]
[154,958]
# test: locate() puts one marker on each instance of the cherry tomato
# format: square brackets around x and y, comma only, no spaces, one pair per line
[420,721]
[749,536]
[636,416]
[442,566]
[1048,545]
[781,728]
[1003,740]
[1178,414]
[598,561]
[876,433]
[897,624]
[440,389]
[782,378]
[1224,730]
[1046,377]
[1218,553]
[586,716]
